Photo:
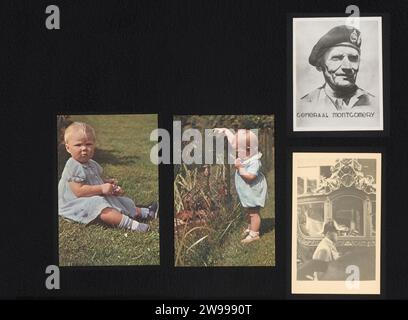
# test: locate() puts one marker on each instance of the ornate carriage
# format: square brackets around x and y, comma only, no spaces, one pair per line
[346,196]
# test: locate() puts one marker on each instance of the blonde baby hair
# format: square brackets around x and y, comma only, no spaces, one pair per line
[87,130]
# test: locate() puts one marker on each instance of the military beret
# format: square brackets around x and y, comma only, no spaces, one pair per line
[340,35]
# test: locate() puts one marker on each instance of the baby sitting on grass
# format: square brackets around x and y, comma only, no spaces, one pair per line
[250,182]
[84,196]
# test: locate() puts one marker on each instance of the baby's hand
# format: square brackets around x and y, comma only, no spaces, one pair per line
[118,191]
[107,189]
[237,163]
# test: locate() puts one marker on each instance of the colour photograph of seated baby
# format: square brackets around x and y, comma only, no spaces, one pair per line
[94,204]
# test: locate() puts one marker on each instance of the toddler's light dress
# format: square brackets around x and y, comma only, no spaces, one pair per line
[86,209]
[252,194]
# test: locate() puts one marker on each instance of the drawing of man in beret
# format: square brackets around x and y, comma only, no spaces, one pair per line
[337,56]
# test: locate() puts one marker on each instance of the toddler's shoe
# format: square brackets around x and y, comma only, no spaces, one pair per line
[153,210]
[252,236]
[245,232]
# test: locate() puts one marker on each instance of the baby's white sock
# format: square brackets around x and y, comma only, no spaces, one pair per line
[130,224]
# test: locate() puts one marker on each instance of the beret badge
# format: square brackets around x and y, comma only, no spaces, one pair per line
[355,38]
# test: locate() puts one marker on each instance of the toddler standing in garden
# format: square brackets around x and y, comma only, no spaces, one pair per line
[250,182]
[84,196]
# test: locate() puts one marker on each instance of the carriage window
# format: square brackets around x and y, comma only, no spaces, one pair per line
[348,215]
[311,218]
[311,185]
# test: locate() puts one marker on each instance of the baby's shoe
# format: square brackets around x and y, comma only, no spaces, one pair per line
[252,236]
[153,210]
[141,227]
[245,232]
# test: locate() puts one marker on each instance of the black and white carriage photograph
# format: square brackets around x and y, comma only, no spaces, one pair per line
[337,74]
[336,223]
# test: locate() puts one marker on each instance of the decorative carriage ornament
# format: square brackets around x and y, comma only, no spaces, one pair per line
[346,173]
[348,197]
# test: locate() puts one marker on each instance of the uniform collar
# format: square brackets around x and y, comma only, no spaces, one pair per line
[352,100]
[332,94]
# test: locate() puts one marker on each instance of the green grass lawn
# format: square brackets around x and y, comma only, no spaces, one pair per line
[257,253]
[123,150]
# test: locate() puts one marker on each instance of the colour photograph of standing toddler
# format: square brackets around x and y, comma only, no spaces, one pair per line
[224,211]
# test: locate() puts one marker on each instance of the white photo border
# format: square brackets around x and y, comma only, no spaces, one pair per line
[380,127]
[335,287]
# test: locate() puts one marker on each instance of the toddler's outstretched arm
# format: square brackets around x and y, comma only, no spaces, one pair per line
[228,133]
[86,190]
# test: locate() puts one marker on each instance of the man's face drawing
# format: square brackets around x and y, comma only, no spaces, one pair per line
[340,66]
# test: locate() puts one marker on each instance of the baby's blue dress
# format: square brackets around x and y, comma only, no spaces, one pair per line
[86,209]
[252,194]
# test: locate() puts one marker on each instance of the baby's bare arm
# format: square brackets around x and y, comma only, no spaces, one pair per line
[248,177]
[86,190]
[228,133]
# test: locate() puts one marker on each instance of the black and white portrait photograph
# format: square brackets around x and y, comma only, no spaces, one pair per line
[337,74]
[336,223]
